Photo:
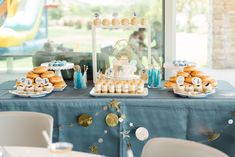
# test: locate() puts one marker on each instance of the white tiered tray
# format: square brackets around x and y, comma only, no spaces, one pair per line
[93,93]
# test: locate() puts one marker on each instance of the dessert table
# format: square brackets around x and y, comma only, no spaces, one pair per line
[40,152]
[162,113]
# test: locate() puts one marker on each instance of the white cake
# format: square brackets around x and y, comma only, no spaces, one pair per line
[122,69]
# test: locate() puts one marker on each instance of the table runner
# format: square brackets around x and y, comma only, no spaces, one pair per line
[162,113]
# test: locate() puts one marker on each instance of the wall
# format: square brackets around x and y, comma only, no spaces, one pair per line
[223,32]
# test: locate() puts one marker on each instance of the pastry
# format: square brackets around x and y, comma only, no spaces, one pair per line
[31,75]
[205,78]
[29,88]
[125,88]
[198,88]
[197,74]
[20,87]
[115,22]
[169,84]
[60,84]
[98,87]
[56,79]
[134,21]
[40,69]
[132,88]
[213,83]
[104,88]
[173,79]
[189,88]
[180,88]
[96,22]
[184,74]
[118,88]
[111,88]
[140,88]
[48,87]
[106,22]
[207,87]
[190,68]
[125,21]
[47,74]
[188,79]
[38,88]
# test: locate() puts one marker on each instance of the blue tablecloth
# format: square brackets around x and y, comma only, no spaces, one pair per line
[162,113]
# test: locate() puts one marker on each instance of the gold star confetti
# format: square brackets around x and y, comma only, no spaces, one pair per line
[93,149]
[213,136]
[116,105]
[111,120]
[85,120]
[233,113]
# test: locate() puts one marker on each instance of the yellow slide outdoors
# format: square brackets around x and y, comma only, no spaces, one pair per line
[22,22]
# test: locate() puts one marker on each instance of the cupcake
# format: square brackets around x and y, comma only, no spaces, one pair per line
[198,88]
[104,88]
[132,88]
[125,87]
[48,87]
[207,87]
[111,88]
[118,88]
[38,88]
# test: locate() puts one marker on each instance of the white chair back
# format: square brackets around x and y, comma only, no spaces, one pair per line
[168,147]
[24,128]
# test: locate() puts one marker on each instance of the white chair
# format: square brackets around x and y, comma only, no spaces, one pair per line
[169,147]
[24,128]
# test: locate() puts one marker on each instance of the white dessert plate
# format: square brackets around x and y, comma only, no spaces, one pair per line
[195,95]
[30,94]
[93,93]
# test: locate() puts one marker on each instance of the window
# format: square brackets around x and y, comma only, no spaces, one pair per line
[68,22]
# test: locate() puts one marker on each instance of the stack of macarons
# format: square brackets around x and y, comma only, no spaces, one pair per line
[190,72]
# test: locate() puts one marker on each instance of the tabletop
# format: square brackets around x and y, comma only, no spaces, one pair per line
[224,90]
[40,152]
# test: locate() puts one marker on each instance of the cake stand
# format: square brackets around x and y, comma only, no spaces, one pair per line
[58,69]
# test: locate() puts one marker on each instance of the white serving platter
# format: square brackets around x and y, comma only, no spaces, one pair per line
[194,96]
[29,95]
[93,93]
